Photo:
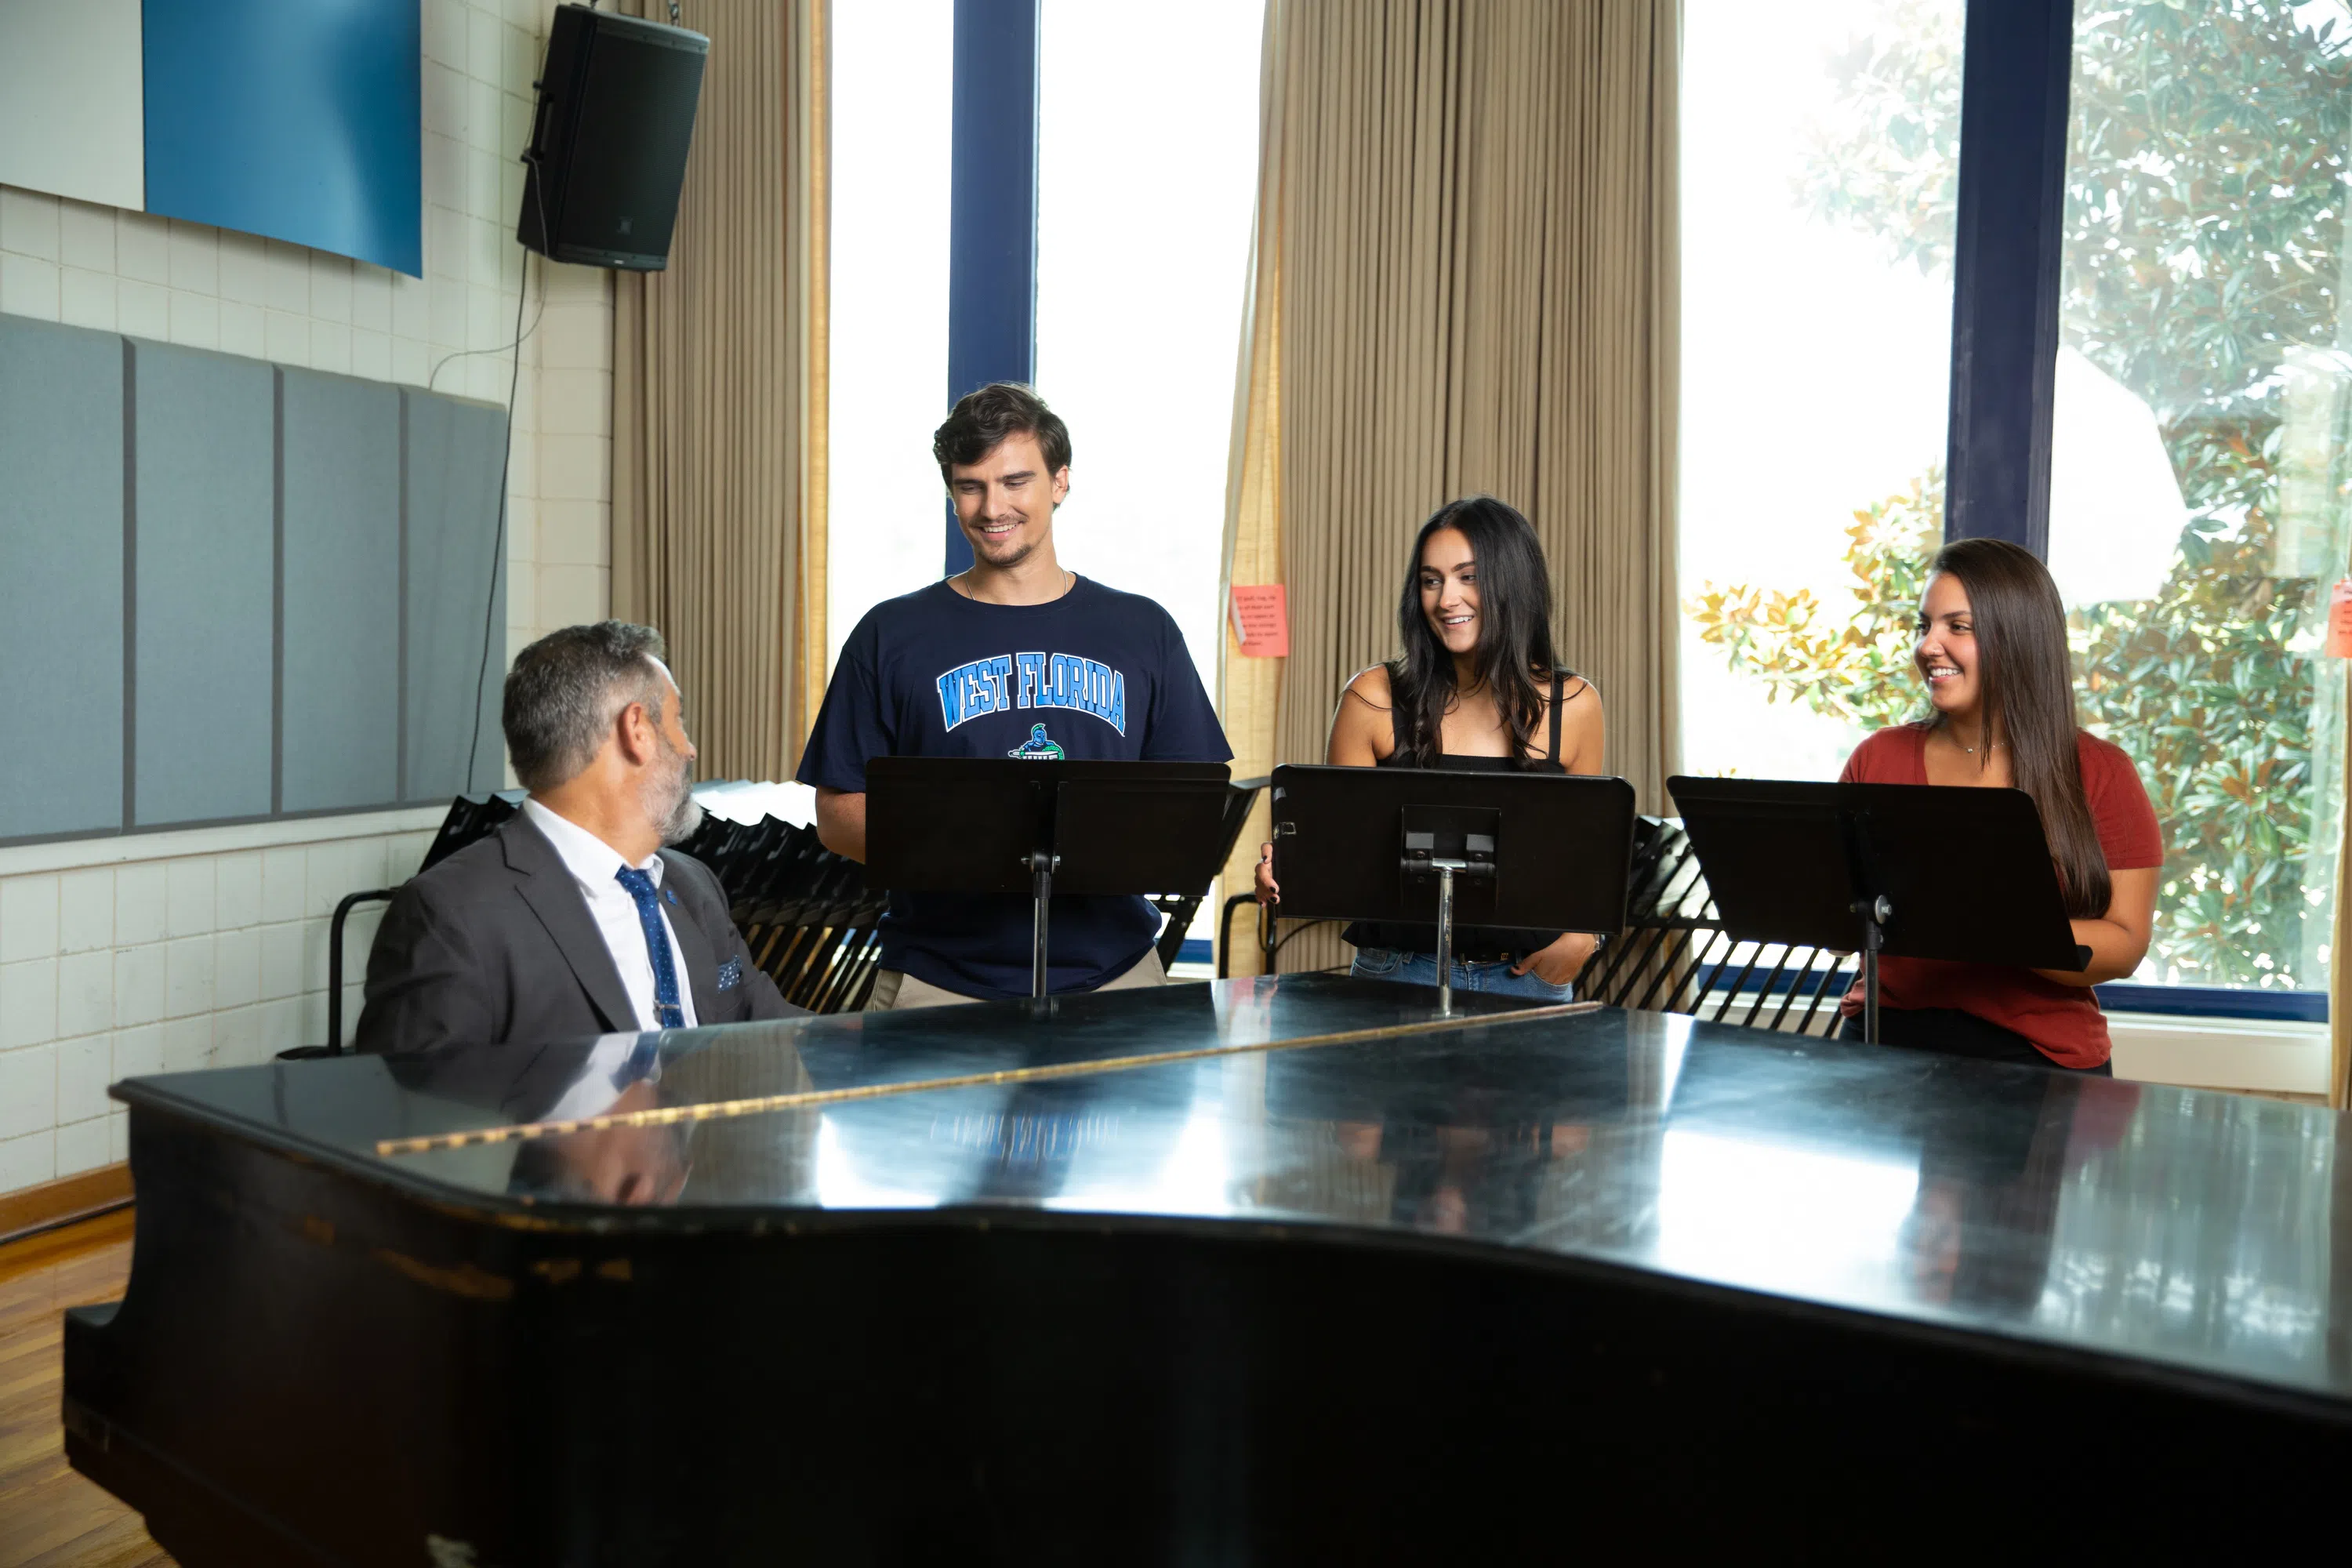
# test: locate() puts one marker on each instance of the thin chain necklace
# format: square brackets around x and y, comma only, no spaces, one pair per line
[958,583]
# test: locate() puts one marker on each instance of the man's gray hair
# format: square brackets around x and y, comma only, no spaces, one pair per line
[566,688]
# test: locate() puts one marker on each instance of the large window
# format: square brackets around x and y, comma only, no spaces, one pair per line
[1144,205]
[1144,201]
[1819,149]
[893,76]
[2198,496]
[2197,480]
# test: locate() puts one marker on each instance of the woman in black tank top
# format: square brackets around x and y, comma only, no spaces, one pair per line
[1478,687]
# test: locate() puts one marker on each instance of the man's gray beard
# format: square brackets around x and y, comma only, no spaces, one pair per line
[673,808]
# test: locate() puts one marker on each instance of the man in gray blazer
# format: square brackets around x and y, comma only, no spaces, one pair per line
[573,919]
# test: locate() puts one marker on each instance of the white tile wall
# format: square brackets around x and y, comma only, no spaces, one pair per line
[233,986]
[110,971]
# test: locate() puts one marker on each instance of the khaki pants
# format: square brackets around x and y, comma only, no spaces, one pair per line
[895,990]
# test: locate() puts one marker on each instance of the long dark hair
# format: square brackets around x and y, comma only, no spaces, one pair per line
[2028,703]
[1513,629]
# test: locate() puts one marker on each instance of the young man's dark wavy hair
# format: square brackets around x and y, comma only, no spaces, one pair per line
[980,420]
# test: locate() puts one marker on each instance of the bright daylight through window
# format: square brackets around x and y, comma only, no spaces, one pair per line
[1817,312]
[1144,201]
[893,80]
[2198,483]
[2198,504]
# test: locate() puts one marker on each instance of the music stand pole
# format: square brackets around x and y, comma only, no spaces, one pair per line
[1874,912]
[1042,864]
[1445,936]
[1447,867]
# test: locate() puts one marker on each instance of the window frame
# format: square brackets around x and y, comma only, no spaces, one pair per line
[2017,74]
[993,209]
[2017,68]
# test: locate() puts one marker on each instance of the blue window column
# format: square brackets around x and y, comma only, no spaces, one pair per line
[2007,250]
[993,208]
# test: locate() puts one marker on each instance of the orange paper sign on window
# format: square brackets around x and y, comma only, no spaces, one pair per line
[2339,621]
[1261,621]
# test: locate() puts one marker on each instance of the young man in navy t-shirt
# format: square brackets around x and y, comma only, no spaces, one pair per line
[1015,657]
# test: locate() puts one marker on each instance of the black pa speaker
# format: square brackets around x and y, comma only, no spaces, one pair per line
[607,152]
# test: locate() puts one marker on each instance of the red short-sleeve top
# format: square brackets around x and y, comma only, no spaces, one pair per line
[2062,1021]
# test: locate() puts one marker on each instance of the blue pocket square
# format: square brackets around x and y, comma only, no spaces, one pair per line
[731,975]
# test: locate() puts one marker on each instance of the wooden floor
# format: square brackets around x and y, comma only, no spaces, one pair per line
[50,1516]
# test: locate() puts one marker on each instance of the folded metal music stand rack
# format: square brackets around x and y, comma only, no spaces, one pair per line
[1916,871]
[1546,850]
[1005,825]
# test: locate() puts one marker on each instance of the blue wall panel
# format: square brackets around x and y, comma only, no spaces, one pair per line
[229,590]
[339,444]
[61,534]
[456,595]
[201,688]
[300,119]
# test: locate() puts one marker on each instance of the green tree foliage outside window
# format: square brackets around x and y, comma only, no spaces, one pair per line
[2204,251]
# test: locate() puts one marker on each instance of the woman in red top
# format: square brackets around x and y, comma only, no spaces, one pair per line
[1992,649]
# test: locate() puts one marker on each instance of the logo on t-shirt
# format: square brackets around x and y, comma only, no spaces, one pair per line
[1037,748]
[1011,680]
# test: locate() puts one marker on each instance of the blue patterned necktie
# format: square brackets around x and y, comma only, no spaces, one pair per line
[645,1062]
[667,1014]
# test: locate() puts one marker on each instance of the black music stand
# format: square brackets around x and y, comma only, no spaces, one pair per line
[1916,870]
[1005,825]
[1546,850]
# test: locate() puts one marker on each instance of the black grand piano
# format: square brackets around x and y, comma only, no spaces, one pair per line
[1287,1270]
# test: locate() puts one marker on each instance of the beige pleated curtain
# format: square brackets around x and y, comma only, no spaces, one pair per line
[1465,281]
[719,397]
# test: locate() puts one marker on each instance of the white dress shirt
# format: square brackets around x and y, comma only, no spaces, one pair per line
[595,865]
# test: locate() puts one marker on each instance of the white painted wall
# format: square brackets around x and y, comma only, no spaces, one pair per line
[122,956]
[72,99]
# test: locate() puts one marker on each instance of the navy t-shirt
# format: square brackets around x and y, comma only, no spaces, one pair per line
[1095,673]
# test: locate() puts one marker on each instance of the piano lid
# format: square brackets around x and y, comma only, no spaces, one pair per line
[2206,1230]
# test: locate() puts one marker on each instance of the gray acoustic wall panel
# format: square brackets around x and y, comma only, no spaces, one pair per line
[203,598]
[456,596]
[339,451]
[61,543]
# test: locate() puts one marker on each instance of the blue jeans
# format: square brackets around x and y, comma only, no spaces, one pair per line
[1421,969]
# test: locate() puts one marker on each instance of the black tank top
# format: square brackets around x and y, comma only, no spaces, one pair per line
[1482,944]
